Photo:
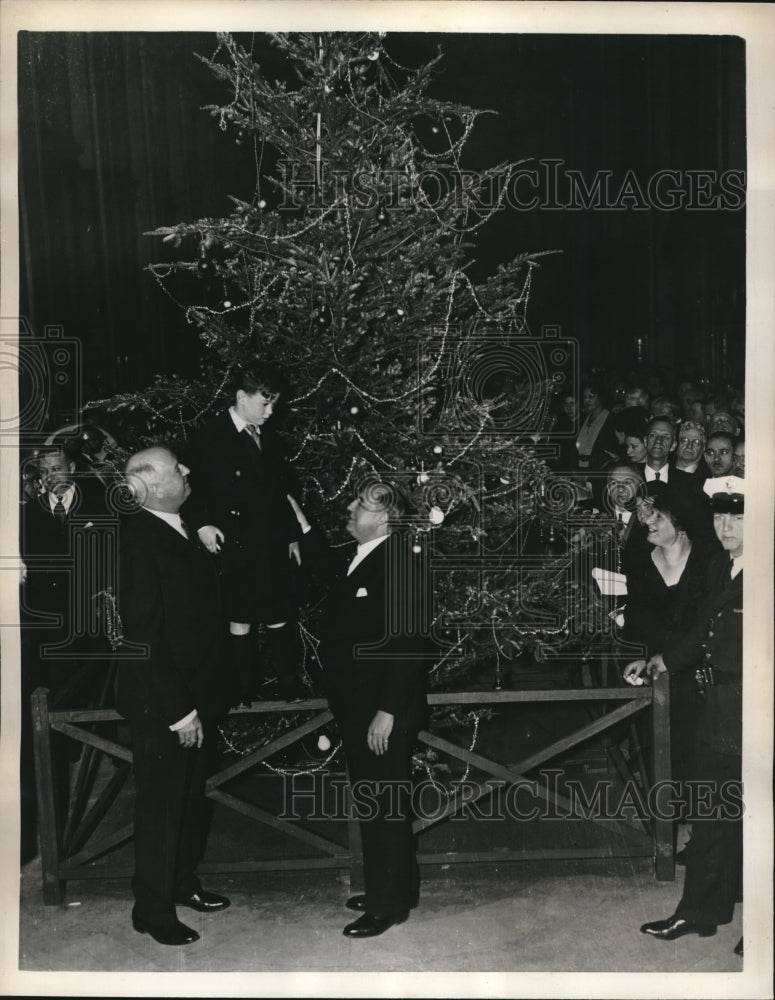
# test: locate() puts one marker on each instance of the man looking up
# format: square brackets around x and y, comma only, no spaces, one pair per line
[169,691]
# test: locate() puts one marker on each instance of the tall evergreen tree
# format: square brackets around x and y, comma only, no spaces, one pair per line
[348,265]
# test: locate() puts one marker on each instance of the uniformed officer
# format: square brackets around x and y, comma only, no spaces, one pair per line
[714,857]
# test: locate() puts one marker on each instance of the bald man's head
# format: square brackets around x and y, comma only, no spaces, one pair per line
[158,480]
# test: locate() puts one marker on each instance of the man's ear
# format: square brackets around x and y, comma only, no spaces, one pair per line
[674,445]
[239,399]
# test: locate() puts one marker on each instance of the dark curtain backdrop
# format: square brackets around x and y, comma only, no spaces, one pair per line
[114,142]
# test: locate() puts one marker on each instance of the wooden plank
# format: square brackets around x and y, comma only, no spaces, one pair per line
[283,825]
[498,855]
[256,756]
[91,739]
[85,715]
[559,694]
[48,811]
[104,801]
[259,707]
[577,736]
[511,775]
[108,843]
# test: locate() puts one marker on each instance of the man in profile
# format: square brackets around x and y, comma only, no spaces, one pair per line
[374,649]
[168,689]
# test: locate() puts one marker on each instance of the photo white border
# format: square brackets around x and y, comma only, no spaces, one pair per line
[756,24]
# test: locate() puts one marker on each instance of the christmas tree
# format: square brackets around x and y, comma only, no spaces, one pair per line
[348,266]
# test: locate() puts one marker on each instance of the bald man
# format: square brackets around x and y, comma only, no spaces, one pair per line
[168,691]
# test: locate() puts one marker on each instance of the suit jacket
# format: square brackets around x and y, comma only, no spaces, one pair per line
[374,635]
[240,489]
[47,550]
[169,605]
[716,639]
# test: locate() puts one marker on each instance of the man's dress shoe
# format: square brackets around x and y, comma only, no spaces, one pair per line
[358,903]
[668,930]
[177,933]
[204,902]
[370,926]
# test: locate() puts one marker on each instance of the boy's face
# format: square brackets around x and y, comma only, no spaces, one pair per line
[257,407]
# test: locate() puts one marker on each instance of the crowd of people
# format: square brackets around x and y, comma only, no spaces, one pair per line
[214,548]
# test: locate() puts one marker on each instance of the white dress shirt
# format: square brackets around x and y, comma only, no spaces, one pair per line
[67,498]
[364,549]
[651,474]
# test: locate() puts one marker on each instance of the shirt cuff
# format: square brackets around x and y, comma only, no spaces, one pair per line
[306,529]
[183,722]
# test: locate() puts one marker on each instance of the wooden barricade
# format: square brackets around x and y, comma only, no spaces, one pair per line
[70,824]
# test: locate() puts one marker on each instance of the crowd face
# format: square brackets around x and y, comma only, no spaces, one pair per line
[592,403]
[255,408]
[56,473]
[661,529]
[739,463]
[635,448]
[696,412]
[659,442]
[719,455]
[690,444]
[570,408]
[635,397]
[623,488]
[722,422]
[729,531]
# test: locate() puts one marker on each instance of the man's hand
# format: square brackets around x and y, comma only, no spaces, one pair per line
[211,537]
[300,515]
[656,665]
[191,734]
[294,552]
[633,671]
[379,732]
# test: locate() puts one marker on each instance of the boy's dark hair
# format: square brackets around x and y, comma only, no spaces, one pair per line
[260,377]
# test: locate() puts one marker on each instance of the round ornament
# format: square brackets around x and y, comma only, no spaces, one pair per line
[436,515]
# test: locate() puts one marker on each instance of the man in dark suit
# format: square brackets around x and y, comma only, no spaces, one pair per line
[58,598]
[168,690]
[239,509]
[63,523]
[374,649]
[689,452]
[714,856]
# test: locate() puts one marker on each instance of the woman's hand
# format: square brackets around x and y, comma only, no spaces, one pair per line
[379,732]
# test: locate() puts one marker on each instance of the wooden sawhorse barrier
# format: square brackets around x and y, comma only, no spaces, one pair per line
[70,831]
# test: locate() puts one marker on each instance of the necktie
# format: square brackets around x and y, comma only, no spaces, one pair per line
[59,511]
[657,476]
[619,525]
[251,430]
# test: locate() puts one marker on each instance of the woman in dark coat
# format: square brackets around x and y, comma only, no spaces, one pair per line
[665,586]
